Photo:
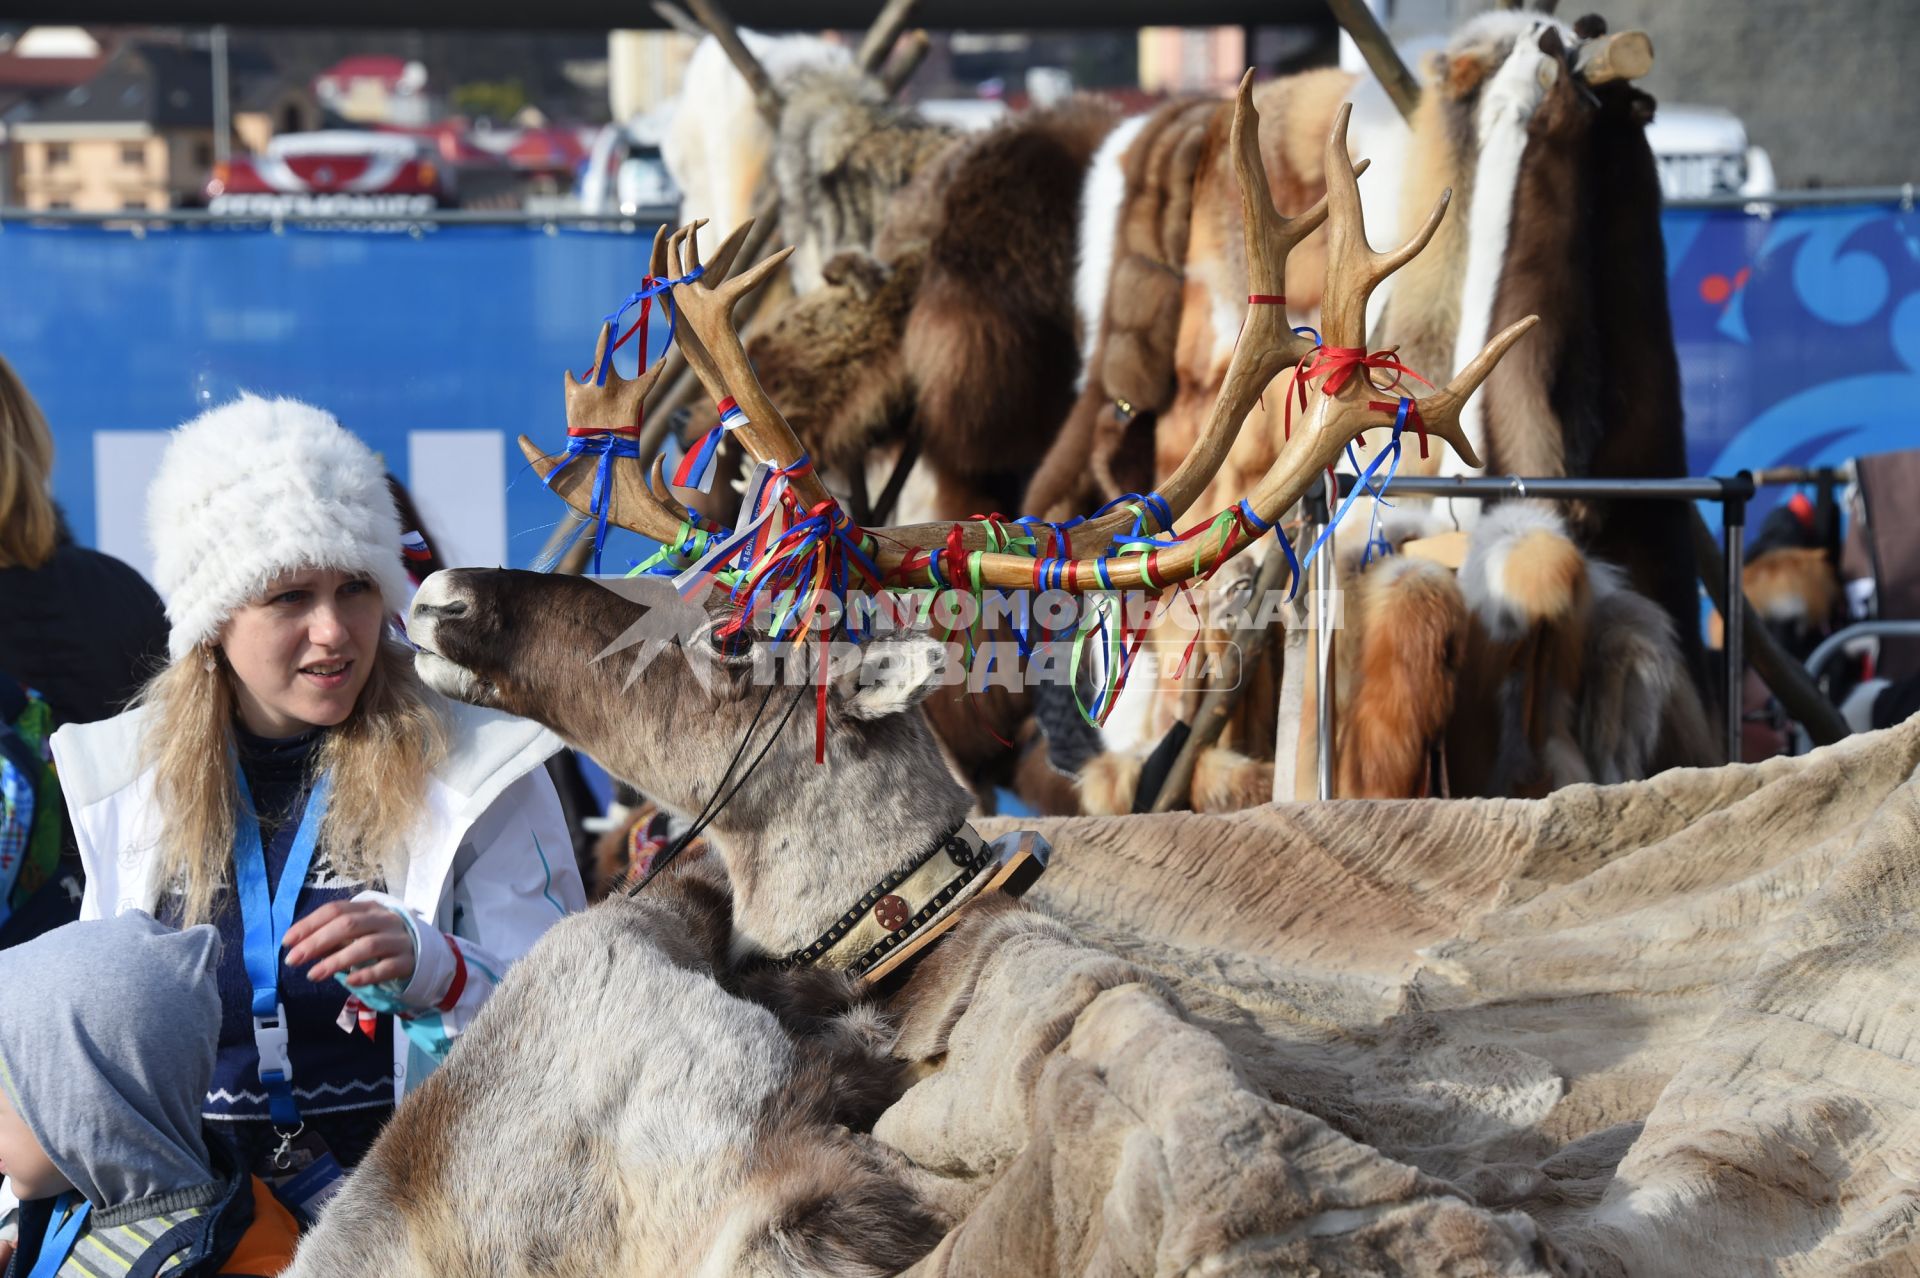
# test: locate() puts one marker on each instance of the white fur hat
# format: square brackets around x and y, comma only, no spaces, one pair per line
[256,488]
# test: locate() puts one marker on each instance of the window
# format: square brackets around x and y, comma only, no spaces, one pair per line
[58,155]
[133,155]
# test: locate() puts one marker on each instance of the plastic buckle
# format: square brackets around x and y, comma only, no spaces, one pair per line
[270,1039]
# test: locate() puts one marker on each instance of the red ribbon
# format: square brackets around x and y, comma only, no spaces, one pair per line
[1340,363]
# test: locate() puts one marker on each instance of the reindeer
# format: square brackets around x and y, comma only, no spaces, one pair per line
[856,864]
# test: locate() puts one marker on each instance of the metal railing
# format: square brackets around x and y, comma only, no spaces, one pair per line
[1733,492]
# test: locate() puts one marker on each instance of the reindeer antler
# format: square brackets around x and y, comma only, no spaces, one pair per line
[613,406]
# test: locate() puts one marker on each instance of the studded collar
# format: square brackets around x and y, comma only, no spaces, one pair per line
[890,912]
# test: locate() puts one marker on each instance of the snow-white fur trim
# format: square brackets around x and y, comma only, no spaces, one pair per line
[1101,206]
[1508,100]
[257,488]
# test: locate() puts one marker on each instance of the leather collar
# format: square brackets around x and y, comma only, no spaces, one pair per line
[893,910]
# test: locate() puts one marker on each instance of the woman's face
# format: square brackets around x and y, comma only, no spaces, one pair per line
[303,651]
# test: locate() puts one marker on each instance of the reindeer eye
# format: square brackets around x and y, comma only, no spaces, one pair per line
[730,643]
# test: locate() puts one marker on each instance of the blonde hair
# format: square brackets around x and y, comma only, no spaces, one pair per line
[28,525]
[378,759]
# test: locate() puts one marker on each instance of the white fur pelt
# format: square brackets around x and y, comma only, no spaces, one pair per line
[1101,201]
[253,489]
[1508,100]
[717,144]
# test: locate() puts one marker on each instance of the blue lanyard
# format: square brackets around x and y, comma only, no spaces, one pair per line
[266,920]
[62,1232]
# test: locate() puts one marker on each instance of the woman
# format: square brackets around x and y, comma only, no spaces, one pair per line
[80,628]
[290,742]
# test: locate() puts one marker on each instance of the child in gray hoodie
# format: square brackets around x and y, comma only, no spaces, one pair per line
[107,1034]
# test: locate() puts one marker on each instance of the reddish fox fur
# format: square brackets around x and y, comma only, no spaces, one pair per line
[1406,628]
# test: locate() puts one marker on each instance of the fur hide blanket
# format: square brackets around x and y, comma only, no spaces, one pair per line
[1666,1027]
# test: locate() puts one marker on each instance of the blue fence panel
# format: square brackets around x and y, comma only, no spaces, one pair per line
[405,339]
[1799,340]
[1799,335]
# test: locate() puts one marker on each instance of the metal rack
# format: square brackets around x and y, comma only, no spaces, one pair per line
[1733,492]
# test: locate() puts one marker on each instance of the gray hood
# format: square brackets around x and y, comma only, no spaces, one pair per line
[107,1035]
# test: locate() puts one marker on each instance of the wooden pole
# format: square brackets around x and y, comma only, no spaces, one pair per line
[1381,56]
[714,19]
[913,51]
[679,19]
[885,30]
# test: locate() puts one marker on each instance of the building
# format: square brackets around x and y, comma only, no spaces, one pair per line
[138,134]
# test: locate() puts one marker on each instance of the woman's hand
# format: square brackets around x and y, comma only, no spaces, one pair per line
[347,934]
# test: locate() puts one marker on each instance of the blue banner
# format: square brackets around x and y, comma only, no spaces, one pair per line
[1799,340]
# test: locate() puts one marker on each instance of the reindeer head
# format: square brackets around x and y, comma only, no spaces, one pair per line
[630,673]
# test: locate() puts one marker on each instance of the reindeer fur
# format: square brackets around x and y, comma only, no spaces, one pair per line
[1406,627]
[715,1146]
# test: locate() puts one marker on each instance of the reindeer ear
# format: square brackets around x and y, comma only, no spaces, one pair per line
[895,674]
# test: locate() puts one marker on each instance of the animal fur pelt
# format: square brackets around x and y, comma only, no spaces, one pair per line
[1795,591]
[1526,589]
[689,1131]
[842,153]
[1223,781]
[1639,710]
[1134,217]
[1405,630]
[718,145]
[832,360]
[980,363]
[992,341]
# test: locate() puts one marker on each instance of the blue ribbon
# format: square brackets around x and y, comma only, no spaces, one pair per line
[266,919]
[62,1232]
[658,288]
[1389,454]
[606,448]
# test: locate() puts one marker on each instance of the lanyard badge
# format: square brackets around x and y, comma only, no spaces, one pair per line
[265,917]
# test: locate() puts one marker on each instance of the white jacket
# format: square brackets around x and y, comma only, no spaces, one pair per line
[493,865]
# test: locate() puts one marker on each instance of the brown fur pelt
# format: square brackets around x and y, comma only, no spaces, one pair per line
[1795,592]
[1223,781]
[1105,449]
[1405,630]
[991,342]
[1296,114]
[831,358]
